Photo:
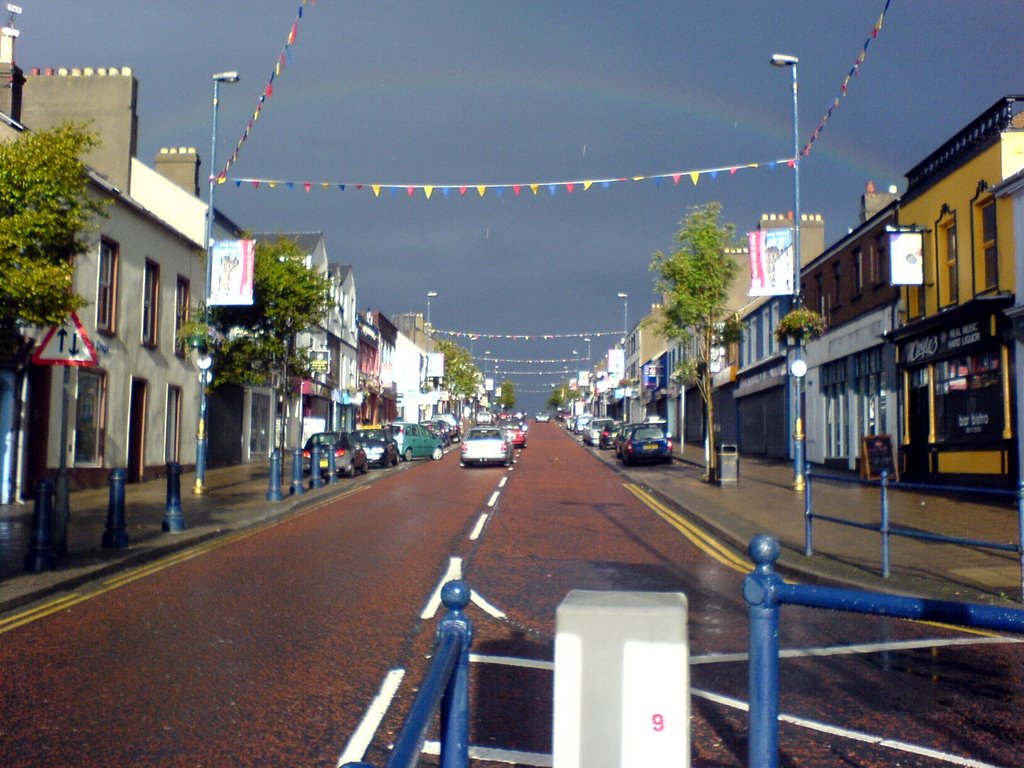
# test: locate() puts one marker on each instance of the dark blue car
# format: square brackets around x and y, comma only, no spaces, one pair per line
[646,444]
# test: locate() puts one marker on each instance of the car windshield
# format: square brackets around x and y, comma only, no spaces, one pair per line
[648,433]
[484,434]
[322,438]
[370,434]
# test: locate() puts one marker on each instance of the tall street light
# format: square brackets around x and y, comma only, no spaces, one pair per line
[204,361]
[798,368]
[625,333]
[430,295]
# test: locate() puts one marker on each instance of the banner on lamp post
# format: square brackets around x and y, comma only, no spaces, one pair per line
[771,262]
[231,273]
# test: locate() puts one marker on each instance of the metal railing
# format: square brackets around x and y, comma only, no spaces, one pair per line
[765,591]
[887,529]
[444,691]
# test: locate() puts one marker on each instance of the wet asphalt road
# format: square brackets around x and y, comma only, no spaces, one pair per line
[266,649]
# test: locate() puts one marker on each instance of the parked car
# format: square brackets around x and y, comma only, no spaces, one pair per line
[438,431]
[647,443]
[453,423]
[515,433]
[349,456]
[381,449]
[415,442]
[484,417]
[620,436]
[582,420]
[592,434]
[607,439]
[543,417]
[485,445]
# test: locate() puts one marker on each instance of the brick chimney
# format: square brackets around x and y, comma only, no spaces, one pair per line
[11,77]
[181,166]
[104,98]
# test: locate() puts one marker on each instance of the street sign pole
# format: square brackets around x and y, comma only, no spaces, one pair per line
[62,489]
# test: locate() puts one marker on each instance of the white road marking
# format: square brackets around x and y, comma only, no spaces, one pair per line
[479,527]
[510,756]
[511,661]
[501,483]
[494,499]
[454,572]
[360,740]
[880,741]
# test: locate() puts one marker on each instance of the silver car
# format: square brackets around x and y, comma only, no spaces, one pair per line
[485,445]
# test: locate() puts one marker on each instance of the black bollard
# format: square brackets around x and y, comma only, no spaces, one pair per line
[274,488]
[116,534]
[41,556]
[316,479]
[174,520]
[297,485]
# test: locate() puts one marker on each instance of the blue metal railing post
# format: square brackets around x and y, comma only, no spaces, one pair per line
[174,520]
[808,547]
[274,478]
[1020,529]
[332,465]
[298,487]
[316,480]
[759,589]
[116,534]
[885,524]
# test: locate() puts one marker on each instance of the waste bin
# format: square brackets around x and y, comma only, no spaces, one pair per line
[728,464]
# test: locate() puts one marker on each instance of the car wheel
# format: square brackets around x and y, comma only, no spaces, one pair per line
[350,470]
[394,461]
[408,454]
[437,454]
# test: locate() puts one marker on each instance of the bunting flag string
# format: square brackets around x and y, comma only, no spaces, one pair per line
[535,373]
[535,187]
[526,336]
[283,60]
[532,362]
[844,86]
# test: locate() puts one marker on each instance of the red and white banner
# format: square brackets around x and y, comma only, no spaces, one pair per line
[231,272]
[771,262]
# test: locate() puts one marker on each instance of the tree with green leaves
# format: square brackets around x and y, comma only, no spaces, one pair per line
[695,281]
[256,344]
[507,395]
[46,216]
[461,375]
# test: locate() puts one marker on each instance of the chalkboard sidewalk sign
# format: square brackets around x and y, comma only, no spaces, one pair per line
[876,456]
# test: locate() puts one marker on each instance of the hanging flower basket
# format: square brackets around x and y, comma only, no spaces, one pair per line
[801,325]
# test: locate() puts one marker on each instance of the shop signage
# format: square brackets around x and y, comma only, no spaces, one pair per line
[944,342]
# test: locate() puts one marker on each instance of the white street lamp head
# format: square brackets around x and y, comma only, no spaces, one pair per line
[226,77]
[784,60]
[623,295]
[431,294]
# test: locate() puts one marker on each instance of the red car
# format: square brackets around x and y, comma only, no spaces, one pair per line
[515,432]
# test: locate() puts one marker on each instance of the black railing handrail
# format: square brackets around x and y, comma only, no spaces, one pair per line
[445,691]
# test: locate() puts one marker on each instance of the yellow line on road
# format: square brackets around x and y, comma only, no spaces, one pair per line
[68,600]
[704,541]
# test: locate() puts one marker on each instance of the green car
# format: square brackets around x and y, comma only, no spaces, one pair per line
[415,442]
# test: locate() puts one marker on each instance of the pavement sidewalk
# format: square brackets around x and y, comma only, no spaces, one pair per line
[762,501]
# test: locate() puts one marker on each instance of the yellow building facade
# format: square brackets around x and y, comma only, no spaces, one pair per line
[955,348]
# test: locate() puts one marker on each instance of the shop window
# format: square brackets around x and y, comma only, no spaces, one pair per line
[259,424]
[89,407]
[968,398]
[833,389]
[990,250]
[106,287]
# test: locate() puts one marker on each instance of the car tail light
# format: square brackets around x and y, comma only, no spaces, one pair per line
[669,444]
[339,452]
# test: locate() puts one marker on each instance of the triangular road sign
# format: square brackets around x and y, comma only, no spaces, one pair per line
[66,344]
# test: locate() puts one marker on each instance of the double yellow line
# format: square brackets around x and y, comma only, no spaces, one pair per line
[74,598]
[701,539]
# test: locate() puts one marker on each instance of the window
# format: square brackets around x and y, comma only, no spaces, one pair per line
[181,312]
[877,259]
[867,386]
[833,389]
[89,417]
[837,283]
[150,303]
[106,287]
[990,251]
[968,398]
[172,431]
[948,263]
[858,272]
[259,424]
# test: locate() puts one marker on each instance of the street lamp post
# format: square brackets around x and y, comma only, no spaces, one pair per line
[625,333]
[784,60]
[430,295]
[201,433]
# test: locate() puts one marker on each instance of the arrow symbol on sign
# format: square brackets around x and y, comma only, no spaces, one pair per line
[74,344]
[62,334]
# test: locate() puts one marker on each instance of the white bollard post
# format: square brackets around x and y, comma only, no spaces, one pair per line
[622,681]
